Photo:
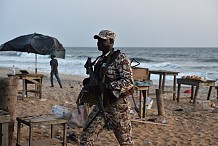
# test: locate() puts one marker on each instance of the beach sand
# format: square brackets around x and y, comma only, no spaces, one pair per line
[184,127]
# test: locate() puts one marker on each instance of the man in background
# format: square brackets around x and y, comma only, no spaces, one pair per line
[54,71]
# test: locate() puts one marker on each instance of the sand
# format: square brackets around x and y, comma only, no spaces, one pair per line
[184,127]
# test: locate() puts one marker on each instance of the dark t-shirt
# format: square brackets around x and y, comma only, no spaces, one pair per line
[54,66]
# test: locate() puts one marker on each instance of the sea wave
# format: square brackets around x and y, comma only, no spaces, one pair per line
[215,60]
[136,59]
[9,53]
[163,66]
[186,61]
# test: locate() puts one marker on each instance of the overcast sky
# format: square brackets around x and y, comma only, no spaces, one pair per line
[137,23]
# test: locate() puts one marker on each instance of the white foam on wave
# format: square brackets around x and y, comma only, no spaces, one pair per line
[32,55]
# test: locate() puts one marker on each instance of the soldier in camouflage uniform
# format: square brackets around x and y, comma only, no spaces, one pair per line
[116,82]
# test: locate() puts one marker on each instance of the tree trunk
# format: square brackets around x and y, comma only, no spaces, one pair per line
[160,102]
[8,99]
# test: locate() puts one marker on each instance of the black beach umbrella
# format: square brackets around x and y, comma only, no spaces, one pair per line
[35,43]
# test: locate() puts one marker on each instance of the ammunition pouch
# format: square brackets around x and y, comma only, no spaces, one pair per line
[87,96]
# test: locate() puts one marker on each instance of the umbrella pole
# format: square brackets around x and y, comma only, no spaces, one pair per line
[35,63]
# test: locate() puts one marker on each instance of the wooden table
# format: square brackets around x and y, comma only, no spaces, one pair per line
[4,125]
[197,84]
[162,78]
[48,119]
[35,79]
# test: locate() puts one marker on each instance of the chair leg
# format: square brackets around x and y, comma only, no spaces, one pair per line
[209,92]
[217,93]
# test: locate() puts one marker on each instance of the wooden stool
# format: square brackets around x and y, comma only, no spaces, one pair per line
[49,119]
[4,125]
[141,83]
[143,100]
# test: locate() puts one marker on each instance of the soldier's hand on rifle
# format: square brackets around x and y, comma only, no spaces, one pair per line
[86,81]
[103,87]
[99,88]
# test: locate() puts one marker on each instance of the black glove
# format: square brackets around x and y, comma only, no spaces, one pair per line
[86,81]
[102,88]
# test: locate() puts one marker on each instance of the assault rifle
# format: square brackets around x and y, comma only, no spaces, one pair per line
[94,81]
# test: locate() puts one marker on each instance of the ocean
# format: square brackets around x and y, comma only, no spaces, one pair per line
[188,61]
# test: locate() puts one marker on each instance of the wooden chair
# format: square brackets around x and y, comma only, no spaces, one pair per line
[140,74]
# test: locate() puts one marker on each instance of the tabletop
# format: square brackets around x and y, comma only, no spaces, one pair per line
[195,82]
[163,72]
[30,75]
[48,118]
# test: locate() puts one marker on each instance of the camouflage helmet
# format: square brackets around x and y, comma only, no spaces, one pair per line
[105,34]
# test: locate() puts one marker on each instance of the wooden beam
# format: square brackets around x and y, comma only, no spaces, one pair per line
[148,122]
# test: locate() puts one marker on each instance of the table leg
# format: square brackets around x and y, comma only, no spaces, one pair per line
[64,134]
[145,103]
[40,89]
[196,94]
[178,92]
[217,93]
[4,134]
[209,92]
[30,135]
[40,92]
[163,82]
[24,89]
[141,103]
[149,78]
[52,131]
[174,87]
[160,82]
[192,92]
[18,132]
[36,89]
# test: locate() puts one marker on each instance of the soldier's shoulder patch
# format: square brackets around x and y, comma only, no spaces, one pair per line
[126,66]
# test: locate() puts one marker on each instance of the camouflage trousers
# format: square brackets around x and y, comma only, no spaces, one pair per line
[119,114]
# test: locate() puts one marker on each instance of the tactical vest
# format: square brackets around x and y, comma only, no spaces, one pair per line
[101,67]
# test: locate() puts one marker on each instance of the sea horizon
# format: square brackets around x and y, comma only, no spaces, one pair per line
[200,61]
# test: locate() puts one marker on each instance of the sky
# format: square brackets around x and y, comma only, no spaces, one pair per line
[137,23]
